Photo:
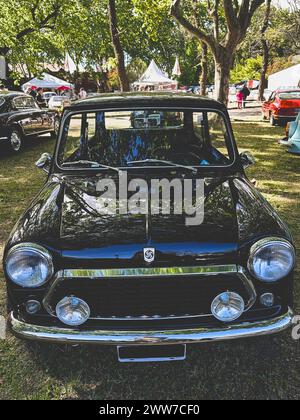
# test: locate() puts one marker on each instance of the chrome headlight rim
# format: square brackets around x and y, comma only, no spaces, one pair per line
[265,243]
[35,249]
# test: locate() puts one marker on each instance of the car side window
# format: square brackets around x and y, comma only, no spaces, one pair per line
[210,129]
[30,103]
[18,103]
[77,125]
[24,102]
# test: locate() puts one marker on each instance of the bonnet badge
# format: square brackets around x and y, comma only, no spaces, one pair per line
[149,255]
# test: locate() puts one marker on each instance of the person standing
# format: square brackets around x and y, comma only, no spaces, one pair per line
[31,92]
[82,93]
[246,92]
[40,98]
[239,98]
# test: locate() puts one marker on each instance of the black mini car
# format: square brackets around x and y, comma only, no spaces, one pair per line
[21,117]
[147,235]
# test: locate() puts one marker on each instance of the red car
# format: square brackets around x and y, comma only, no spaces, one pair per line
[282,107]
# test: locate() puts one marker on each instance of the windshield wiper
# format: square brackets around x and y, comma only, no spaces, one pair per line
[91,164]
[164,162]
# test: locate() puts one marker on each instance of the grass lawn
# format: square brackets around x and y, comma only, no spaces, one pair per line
[262,368]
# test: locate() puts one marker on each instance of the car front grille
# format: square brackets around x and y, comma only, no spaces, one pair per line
[144,297]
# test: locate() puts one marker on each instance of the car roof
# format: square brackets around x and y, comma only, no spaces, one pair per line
[145,99]
[288,90]
[11,94]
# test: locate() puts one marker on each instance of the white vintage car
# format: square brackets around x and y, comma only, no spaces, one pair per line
[57,103]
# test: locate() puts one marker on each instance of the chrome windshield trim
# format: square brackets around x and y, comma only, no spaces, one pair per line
[159,337]
[153,272]
[150,271]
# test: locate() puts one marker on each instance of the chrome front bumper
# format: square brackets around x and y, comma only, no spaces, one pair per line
[125,338]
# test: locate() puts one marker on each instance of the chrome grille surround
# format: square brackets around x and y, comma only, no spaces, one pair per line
[134,273]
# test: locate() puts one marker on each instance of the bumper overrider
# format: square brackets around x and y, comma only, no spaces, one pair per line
[159,337]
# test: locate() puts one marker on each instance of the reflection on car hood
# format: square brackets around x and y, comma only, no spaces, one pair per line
[65,218]
[82,226]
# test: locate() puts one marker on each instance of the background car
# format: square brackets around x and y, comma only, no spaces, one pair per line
[57,103]
[283,106]
[48,96]
[21,117]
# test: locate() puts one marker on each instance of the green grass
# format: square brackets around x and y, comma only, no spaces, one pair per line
[262,368]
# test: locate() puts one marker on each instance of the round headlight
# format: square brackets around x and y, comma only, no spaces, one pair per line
[271,259]
[29,265]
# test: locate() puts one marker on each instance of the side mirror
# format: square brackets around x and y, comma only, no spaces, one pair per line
[44,162]
[247,159]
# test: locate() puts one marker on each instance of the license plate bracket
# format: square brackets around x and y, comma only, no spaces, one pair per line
[147,354]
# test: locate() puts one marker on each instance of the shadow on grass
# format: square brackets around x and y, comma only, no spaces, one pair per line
[30,145]
[235,370]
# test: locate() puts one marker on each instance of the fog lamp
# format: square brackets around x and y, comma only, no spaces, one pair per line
[228,307]
[73,311]
[33,307]
[267,299]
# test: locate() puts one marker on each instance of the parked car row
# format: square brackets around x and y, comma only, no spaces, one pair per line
[21,117]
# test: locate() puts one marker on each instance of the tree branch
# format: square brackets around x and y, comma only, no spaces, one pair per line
[193,30]
[230,15]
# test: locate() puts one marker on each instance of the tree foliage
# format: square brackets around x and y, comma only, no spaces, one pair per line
[38,32]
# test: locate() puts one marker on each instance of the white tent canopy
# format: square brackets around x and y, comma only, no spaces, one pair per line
[154,76]
[289,77]
[47,82]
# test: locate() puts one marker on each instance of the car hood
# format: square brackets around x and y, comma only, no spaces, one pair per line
[122,237]
[65,218]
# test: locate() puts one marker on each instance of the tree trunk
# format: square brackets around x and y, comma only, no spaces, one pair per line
[223,66]
[263,75]
[204,69]
[266,51]
[119,52]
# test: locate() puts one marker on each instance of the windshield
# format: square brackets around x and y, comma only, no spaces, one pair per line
[289,95]
[146,138]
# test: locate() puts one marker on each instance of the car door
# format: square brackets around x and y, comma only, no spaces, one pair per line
[36,115]
[48,120]
[267,105]
[21,115]
[43,118]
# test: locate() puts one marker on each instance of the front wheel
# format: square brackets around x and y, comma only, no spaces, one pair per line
[15,141]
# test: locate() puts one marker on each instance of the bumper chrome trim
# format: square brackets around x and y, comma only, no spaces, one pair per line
[119,338]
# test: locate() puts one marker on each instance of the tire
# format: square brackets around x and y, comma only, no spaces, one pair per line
[15,140]
[273,122]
